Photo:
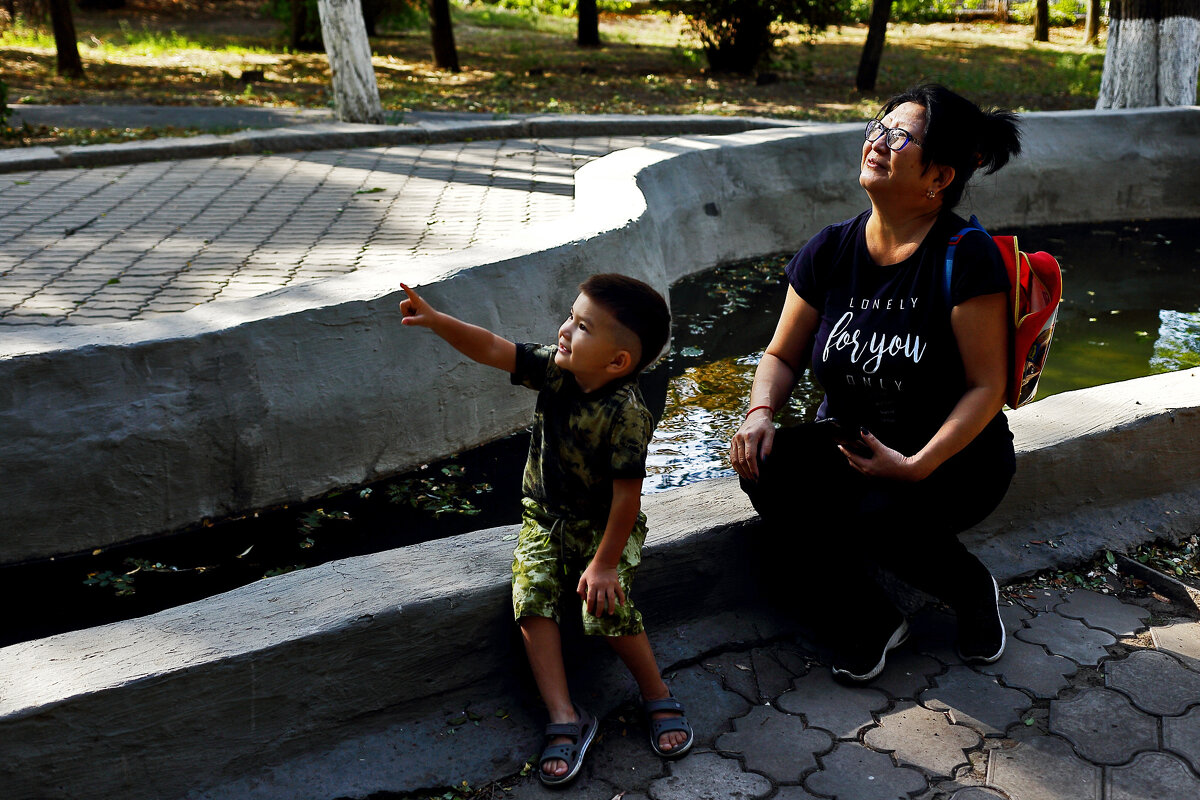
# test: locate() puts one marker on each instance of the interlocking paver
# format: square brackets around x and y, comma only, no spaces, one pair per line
[1045,600]
[1155,681]
[932,632]
[621,756]
[841,710]
[922,738]
[736,672]
[975,700]
[320,207]
[713,707]
[1105,612]
[708,776]
[794,657]
[1182,735]
[1153,776]
[1181,637]
[1067,637]
[854,772]
[1028,666]
[1043,768]
[792,793]
[775,744]
[1103,726]
[1014,616]
[976,793]
[772,676]
[907,673]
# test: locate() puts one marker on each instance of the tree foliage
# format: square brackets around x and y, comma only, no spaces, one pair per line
[737,34]
[302,23]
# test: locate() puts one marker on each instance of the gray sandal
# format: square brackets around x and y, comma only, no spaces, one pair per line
[582,731]
[666,725]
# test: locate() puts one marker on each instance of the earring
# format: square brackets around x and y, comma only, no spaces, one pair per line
[931,194]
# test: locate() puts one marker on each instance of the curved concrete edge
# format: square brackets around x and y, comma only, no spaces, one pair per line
[289,686]
[171,421]
[338,135]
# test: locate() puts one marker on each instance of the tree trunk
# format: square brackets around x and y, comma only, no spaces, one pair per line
[1091,30]
[69,64]
[445,54]
[868,65]
[1179,53]
[355,92]
[304,33]
[589,23]
[1153,54]
[1041,21]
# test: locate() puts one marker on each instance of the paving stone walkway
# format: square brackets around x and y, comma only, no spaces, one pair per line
[1095,699]
[128,242]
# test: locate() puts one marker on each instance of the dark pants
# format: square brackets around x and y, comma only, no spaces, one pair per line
[828,528]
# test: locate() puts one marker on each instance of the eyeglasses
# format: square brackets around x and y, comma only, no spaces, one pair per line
[897,138]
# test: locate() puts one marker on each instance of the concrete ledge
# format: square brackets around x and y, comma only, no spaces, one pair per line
[286,686]
[219,410]
[325,135]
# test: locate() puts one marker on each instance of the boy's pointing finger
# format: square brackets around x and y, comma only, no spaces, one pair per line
[413,297]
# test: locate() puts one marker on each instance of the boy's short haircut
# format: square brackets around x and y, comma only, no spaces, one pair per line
[636,306]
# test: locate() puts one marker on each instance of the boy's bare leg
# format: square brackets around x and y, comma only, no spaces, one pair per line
[543,646]
[635,651]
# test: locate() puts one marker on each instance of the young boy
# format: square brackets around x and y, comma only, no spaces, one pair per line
[582,525]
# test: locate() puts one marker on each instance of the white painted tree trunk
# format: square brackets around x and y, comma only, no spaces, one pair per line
[1151,61]
[1178,61]
[355,92]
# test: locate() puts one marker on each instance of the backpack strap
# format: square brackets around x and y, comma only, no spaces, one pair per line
[973,224]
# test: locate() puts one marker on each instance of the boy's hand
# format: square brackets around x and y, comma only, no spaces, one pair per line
[600,589]
[415,310]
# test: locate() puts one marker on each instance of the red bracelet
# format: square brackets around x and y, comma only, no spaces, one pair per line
[756,408]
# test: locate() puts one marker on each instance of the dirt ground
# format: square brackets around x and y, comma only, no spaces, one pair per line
[198,50]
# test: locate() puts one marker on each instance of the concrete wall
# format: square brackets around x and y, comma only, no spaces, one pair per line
[340,680]
[115,432]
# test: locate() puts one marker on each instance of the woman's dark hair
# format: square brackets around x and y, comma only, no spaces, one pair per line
[960,134]
[637,306]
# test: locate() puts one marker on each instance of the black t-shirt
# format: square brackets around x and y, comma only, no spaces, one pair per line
[884,351]
[581,442]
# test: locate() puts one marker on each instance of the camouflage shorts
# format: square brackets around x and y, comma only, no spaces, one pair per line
[550,556]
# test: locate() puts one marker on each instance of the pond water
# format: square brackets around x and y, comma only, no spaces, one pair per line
[1131,307]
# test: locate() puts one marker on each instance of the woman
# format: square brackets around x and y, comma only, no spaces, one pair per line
[911,446]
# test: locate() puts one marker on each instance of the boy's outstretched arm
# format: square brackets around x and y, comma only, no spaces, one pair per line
[598,585]
[478,344]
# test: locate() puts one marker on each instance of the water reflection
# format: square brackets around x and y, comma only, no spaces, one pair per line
[1130,308]
[1178,344]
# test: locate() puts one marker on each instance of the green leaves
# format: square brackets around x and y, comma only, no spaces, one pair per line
[449,494]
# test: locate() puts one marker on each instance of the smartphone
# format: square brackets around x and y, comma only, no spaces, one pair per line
[846,435]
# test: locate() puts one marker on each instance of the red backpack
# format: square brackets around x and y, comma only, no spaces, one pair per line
[1035,290]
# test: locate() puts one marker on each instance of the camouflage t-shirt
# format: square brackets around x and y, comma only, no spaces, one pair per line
[581,442]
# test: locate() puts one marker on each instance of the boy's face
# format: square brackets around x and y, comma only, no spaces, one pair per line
[592,345]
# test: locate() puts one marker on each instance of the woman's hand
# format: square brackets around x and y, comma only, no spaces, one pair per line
[884,462]
[752,443]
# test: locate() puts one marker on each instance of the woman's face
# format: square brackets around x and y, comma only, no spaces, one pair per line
[896,173]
